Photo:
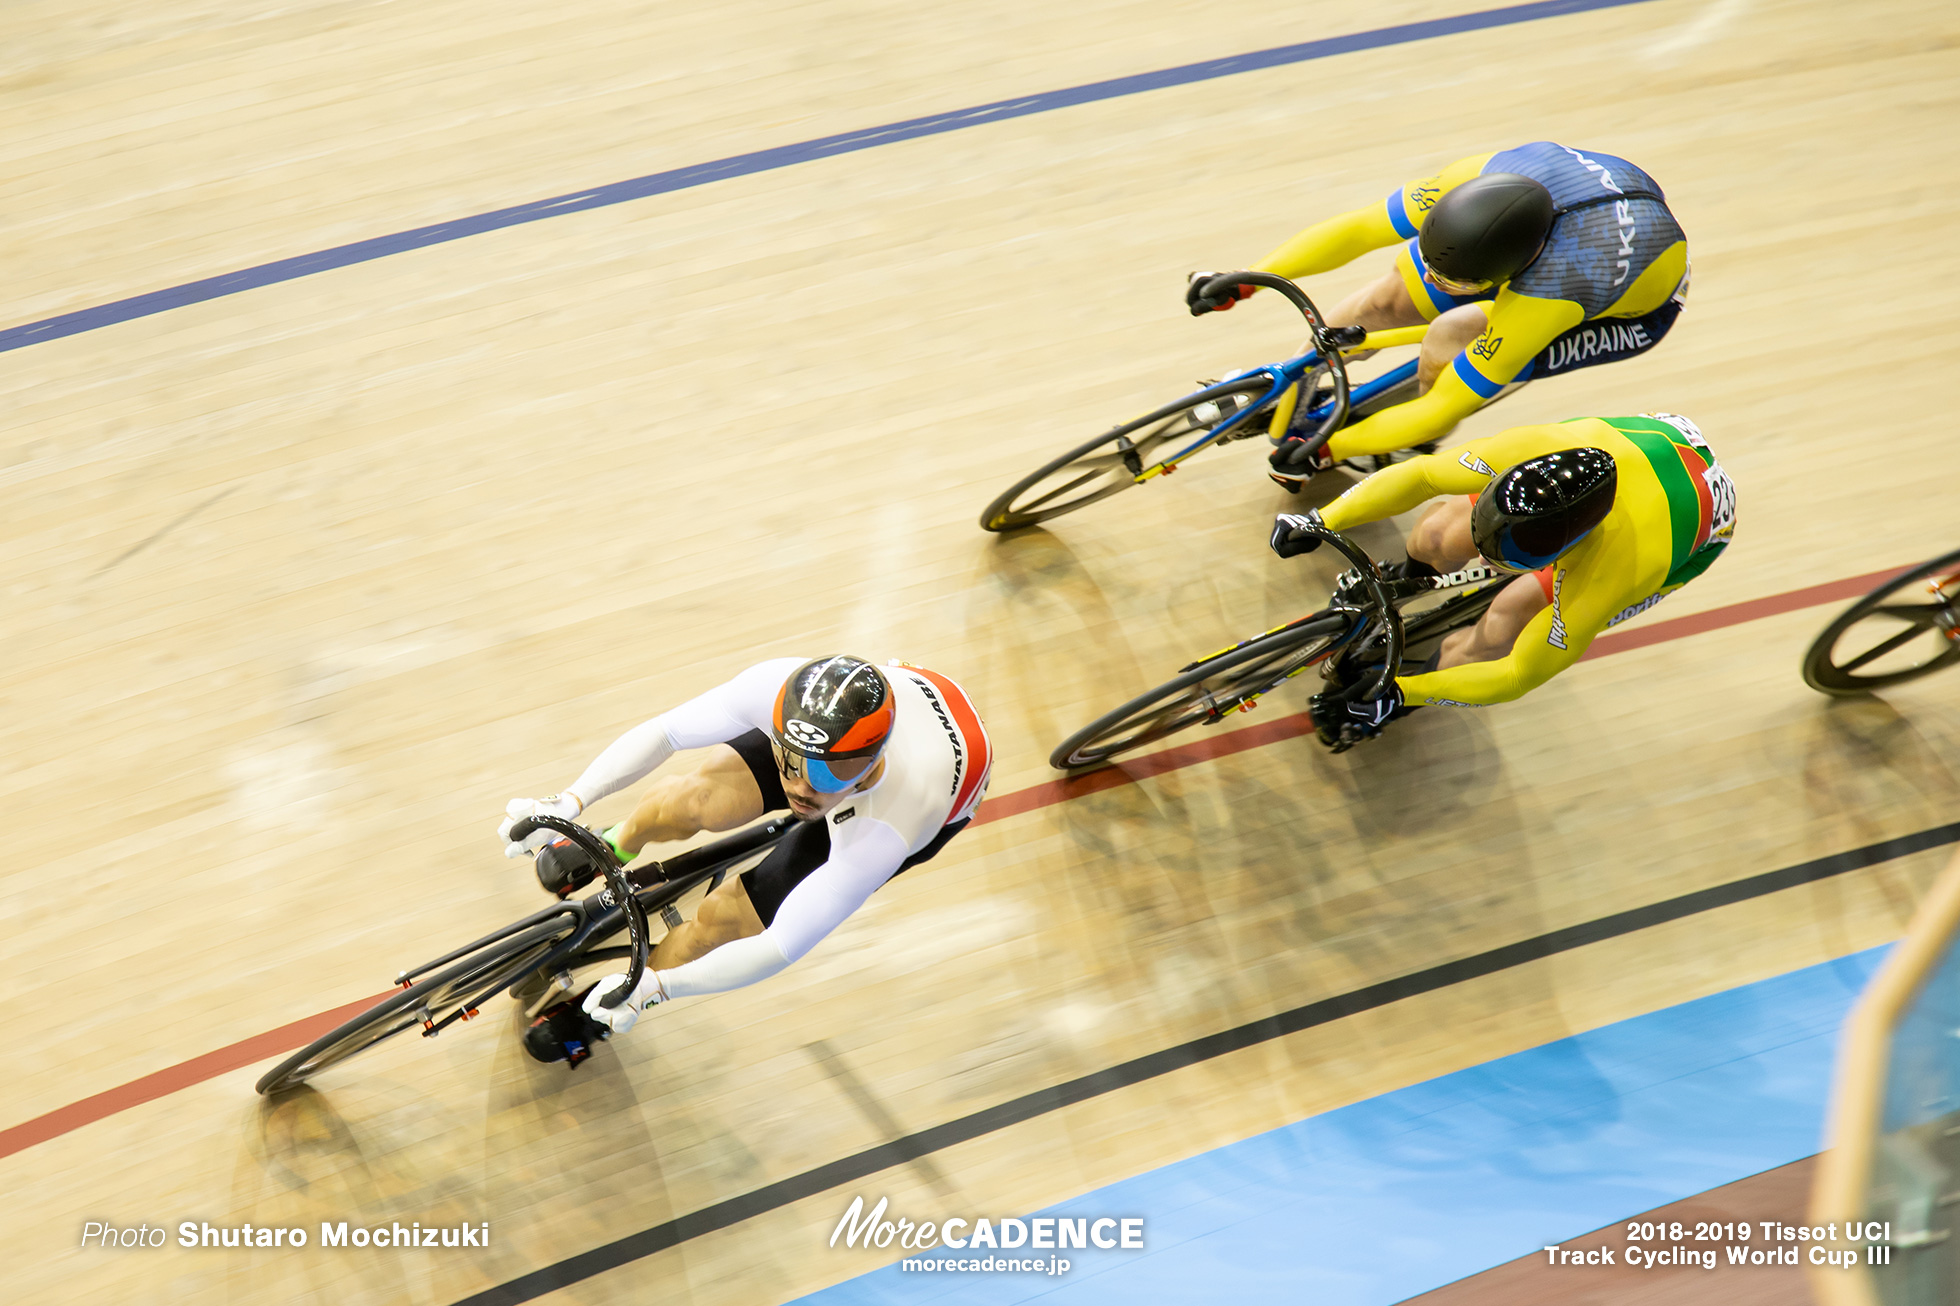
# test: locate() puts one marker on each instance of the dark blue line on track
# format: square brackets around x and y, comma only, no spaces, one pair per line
[780,156]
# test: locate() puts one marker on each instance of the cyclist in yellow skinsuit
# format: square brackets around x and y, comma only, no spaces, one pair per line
[1610,514]
[1528,262]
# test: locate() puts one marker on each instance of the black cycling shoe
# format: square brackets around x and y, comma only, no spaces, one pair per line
[1408,569]
[564,868]
[563,1032]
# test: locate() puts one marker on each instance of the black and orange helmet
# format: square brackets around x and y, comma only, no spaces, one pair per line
[834,709]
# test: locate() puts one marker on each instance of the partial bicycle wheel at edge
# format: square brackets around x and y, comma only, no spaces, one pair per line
[1113,461]
[1204,694]
[1900,638]
[497,965]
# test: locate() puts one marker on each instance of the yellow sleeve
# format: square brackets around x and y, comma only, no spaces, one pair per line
[1337,241]
[1327,245]
[1431,417]
[1406,484]
[1518,330]
[1533,660]
[1585,596]
[1466,469]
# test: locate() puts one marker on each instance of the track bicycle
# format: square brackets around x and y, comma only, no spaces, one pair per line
[1157,443]
[536,956]
[1362,638]
[1906,628]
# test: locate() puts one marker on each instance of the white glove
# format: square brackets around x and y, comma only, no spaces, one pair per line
[565,805]
[623,1017]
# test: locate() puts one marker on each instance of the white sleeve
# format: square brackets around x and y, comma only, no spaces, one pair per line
[746,703]
[813,909]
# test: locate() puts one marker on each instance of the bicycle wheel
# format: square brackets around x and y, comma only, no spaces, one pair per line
[1116,459]
[1880,641]
[1205,692]
[494,966]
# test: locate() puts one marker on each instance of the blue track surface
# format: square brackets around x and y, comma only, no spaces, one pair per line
[781,156]
[1388,1198]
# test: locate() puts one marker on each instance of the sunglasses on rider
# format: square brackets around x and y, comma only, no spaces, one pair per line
[824,777]
[1451,287]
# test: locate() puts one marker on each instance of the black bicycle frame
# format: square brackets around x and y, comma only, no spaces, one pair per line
[654,887]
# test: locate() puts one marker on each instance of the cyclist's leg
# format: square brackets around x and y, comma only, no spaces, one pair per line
[1449,335]
[1441,537]
[731,789]
[745,904]
[1381,304]
[1392,301]
[725,915]
[1492,637]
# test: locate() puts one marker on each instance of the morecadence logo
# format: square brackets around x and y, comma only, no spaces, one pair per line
[989,1235]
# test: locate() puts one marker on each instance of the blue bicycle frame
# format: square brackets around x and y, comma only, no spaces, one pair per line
[1280,377]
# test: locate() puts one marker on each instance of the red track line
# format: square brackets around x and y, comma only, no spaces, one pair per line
[164,1082]
[1209,748]
[1292,727]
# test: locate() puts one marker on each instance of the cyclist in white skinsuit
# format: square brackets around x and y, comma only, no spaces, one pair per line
[882,768]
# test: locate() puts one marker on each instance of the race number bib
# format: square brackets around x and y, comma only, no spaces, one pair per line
[1721,490]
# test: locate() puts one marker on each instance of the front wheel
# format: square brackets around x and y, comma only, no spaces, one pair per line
[1205,692]
[498,965]
[1904,629]
[1118,459]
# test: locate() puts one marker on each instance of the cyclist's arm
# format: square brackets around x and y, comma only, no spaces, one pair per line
[743,704]
[1519,328]
[1327,245]
[1403,486]
[1337,241]
[1465,469]
[1550,642]
[815,907]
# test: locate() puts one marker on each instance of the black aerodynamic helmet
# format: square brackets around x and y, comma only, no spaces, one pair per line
[1487,230]
[1532,513]
[834,709]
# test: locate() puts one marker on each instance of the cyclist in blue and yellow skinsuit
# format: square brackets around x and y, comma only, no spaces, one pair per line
[1526,263]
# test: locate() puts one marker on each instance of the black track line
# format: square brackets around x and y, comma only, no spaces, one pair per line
[1041,1102]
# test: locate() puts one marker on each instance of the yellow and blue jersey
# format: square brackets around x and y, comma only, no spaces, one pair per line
[1606,285]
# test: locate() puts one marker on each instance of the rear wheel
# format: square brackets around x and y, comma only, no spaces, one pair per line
[1902,630]
[1204,693]
[1114,461]
[497,965]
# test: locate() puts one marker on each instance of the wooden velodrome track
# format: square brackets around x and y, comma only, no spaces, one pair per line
[303,582]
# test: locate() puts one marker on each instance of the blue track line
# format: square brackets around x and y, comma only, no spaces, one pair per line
[780,156]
